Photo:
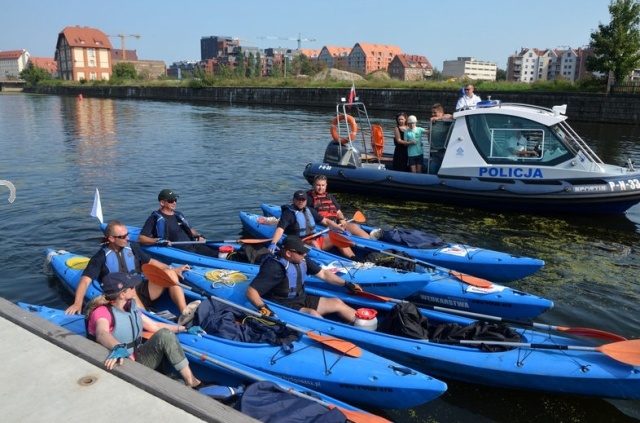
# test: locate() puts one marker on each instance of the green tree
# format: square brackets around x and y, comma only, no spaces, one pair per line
[251,66]
[32,75]
[501,75]
[258,71]
[616,45]
[241,67]
[124,70]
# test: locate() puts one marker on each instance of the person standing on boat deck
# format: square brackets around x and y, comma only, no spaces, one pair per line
[437,113]
[281,280]
[168,225]
[115,322]
[413,136]
[327,206]
[400,155]
[468,100]
[121,255]
[299,220]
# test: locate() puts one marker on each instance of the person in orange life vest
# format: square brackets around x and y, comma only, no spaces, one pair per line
[167,224]
[121,255]
[299,220]
[281,280]
[116,322]
[327,206]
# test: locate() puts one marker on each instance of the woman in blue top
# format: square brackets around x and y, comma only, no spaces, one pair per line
[413,135]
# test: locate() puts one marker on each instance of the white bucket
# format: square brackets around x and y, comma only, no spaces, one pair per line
[366,319]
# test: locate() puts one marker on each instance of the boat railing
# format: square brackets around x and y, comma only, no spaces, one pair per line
[358,112]
[578,145]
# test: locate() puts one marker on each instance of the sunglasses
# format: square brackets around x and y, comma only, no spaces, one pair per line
[121,236]
[171,201]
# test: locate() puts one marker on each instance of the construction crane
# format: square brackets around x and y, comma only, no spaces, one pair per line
[122,37]
[299,39]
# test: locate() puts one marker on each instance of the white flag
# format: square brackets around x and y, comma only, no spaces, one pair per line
[96,211]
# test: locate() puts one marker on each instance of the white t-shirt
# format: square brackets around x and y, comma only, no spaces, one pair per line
[466,102]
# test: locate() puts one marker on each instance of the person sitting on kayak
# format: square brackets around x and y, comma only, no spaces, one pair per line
[299,220]
[327,206]
[281,280]
[121,255]
[168,225]
[115,321]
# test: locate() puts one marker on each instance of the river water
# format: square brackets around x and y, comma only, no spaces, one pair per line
[222,159]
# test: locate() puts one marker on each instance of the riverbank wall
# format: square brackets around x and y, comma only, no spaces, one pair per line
[581,107]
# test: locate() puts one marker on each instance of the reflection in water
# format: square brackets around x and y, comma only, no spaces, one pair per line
[223,159]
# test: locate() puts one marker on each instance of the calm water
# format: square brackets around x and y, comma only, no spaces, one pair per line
[222,159]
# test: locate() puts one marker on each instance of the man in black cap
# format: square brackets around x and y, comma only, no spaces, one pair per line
[281,280]
[299,220]
[115,321]
[168,225]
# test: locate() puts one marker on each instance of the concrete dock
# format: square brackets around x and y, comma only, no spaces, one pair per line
[52,375]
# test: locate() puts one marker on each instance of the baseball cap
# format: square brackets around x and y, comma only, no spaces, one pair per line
[115,282]
[167,194]
[299,195]
[296,244]
[412,119]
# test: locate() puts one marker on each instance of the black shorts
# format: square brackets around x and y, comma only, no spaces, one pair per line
[142,291]
[305,300]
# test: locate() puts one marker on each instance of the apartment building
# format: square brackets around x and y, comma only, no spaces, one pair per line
[468,67]
[47,63]
[409,67]
[366,58]
[12,62]
[334,57]
[532,64]
[83,53]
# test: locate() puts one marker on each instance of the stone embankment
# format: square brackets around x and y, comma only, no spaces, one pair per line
[581,107]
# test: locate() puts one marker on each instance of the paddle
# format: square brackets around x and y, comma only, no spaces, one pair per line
[159,277]
[358,217]
[627,352]
[352,415]
[341,241]
[233,241]
[592,333]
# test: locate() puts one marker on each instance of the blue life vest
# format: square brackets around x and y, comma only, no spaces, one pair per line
[161,227]
[113,264]
[305,223]
[291,285]
[127,326]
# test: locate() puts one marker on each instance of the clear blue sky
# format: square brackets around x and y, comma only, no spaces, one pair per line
[170,31]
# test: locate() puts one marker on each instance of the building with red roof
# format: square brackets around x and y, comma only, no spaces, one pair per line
[83,53]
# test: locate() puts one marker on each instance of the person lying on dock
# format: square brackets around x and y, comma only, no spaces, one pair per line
[121,255]
[115,322]
[281,280]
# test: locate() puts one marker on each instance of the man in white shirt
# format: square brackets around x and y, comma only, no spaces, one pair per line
[468,100]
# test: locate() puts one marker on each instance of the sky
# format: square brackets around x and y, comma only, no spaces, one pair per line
[487,30]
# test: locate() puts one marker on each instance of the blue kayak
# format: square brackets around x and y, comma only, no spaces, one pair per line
[488,264]
[369,379]
[440,287]
[377,279]
[541,361]
[230,376]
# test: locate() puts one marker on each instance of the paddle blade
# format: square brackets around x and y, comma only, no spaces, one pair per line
[626,351]
[340,241]
[358,217]
[345,347]
[78,263]
[593,333]
[251,240]
[360,416]
[158,276]
[471,280]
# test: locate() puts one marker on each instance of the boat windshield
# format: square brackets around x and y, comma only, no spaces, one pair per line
[506,139]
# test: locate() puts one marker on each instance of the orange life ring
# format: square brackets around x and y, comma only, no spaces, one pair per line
[377,140]
[353,129]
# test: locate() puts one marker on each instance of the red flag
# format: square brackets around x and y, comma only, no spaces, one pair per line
[352,93]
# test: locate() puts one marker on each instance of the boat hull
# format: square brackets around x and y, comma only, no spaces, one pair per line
[367,380]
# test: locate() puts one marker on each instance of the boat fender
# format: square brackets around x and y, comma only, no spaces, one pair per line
[377,140]
[353,129]
[366,319]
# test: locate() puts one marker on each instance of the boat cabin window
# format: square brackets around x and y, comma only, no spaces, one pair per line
[507,139]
